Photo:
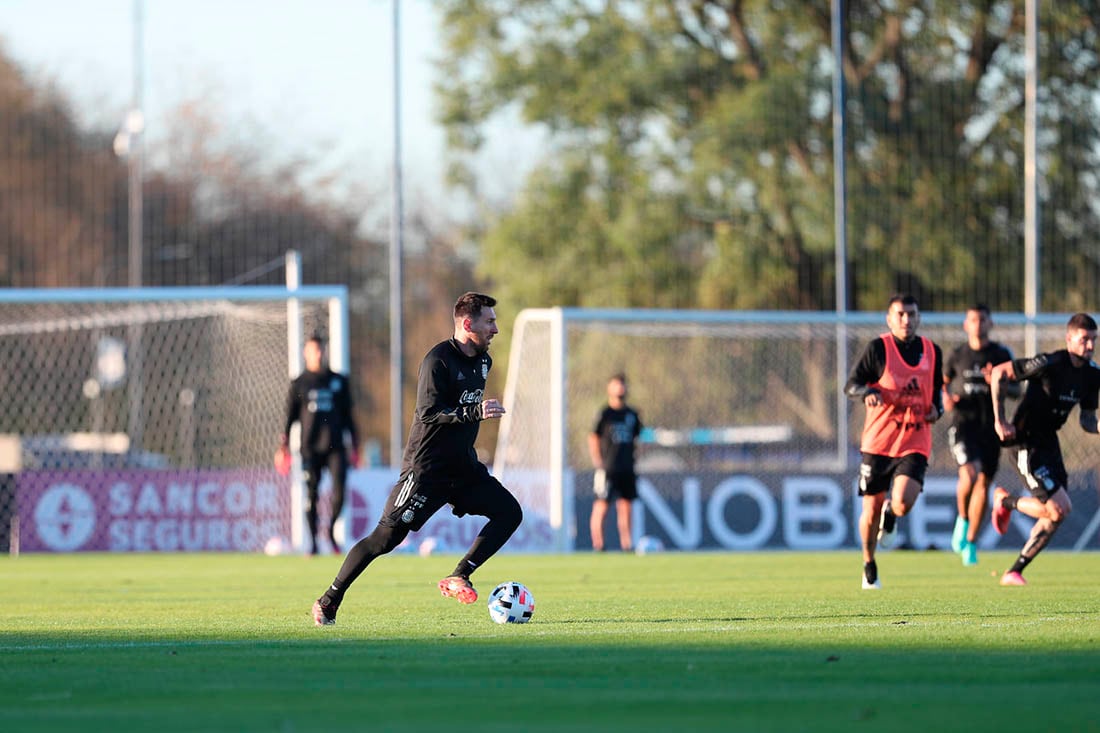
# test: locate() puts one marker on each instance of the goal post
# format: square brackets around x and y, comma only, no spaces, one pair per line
[146,418]
[749,441]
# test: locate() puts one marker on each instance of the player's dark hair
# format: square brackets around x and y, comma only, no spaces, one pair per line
[981,308]
[903,298]
[1081,320]
[317,339]
[469,305]
[618,377]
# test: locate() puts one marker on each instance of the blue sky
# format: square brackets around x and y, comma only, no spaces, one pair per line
[315,75]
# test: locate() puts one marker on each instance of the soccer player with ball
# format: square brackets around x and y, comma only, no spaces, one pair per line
[440,465]
[899,379]
[1056,381]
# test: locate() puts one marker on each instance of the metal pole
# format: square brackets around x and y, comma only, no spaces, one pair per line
[561,514]
[1031,191]
[295,365]
[397,234]
[135,127]
[294,359]
[840,228]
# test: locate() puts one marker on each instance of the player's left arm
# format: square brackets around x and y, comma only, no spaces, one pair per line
[936,411]
[1088,421]
[1089,403]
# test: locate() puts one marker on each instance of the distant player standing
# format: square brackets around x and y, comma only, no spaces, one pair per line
[320,401]
[611,447]
[1056,381]
[899,379]
[974,442]
[440,465]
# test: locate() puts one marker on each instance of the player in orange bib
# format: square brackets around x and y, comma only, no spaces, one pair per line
[899,379]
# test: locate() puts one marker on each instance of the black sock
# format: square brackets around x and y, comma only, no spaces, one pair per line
[889,520]
[1021,563]
[870,571]
[464,569]
[333,596]
[1009,502]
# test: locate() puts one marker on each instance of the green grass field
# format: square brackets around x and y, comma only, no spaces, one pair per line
[753,642]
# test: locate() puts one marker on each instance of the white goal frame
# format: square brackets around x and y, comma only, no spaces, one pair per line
[848,331]
[334,296]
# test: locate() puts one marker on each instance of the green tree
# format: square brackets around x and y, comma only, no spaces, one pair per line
[691,149]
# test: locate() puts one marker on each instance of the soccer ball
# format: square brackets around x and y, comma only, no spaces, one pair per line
[511,603]
[276,545]
[647,545]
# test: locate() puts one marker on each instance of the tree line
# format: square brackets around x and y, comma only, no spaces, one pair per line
[691,158]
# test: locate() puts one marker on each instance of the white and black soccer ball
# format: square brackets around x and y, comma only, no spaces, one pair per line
[511,603]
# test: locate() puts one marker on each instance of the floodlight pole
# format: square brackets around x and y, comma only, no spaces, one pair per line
[397,235]
[840,229]
[135,127]
[1031,177]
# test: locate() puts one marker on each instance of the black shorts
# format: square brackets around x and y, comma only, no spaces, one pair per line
[614,485]
[1042,468]
[414,500]
[876,473]
[970,443]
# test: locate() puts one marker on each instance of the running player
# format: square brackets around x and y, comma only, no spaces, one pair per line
[1056,381]
[974,442]
[899,379]
[440,465]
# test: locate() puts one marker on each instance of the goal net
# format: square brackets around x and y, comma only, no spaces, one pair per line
[749,441]
[145,419]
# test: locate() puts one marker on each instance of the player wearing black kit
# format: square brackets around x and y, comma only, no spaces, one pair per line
[440,465]
[1056,381]
[320,401]
[974,442]
[611,447]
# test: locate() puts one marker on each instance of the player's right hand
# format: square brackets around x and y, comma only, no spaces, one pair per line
[1005,431]
[282,461]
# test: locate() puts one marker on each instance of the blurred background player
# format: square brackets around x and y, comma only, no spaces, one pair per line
[611,447]
[1056,381]
[899,379]
[440,465]
[320,401]
[972,438]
